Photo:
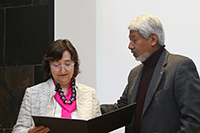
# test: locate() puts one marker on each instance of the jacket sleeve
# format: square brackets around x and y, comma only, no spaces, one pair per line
[24,121]
[97,111]
[187,95]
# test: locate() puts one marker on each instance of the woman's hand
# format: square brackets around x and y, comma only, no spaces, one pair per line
[38,129]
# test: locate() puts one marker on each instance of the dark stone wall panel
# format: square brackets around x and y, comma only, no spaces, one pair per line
[26,29]
[5,130]
[38,75]
[13,3]
[6,3]
[40,2]
[26,35]
[1,36]
[13,82]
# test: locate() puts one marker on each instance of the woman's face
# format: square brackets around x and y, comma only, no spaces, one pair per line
[63,69]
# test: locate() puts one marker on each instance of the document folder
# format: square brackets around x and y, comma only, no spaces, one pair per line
[102,124]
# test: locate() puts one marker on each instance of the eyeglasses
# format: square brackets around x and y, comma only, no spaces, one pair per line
[67,66]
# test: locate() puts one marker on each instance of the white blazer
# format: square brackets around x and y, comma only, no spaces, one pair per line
[37,101]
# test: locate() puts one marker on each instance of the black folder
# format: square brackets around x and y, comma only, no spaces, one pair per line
[102,124]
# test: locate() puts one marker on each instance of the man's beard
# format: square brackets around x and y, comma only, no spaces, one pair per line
[141,57]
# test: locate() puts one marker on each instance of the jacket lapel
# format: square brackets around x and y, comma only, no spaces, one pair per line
[156,78]
[135,85]
[47,93]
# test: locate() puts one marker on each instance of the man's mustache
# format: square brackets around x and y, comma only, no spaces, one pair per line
[134,51]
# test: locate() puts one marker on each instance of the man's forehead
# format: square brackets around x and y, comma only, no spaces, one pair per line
[133,33]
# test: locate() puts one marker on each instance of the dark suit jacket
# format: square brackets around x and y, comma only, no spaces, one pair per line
[172,101]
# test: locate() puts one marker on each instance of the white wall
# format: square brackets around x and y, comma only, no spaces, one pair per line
[102,39]
[181,23]
[75,20]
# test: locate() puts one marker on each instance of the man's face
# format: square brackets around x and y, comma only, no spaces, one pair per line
[139,46]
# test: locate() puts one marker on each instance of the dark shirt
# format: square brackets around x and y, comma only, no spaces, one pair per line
[149,67]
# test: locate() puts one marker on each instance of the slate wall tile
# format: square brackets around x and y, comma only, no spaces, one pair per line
[8,130]
[5,130]
[1,36]
[26,35]
[8,3]
[41,2]
[38,74]
[13,82]
[29,28]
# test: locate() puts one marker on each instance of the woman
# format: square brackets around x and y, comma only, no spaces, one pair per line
[60,95]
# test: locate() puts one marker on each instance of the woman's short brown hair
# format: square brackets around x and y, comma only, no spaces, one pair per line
[55,52]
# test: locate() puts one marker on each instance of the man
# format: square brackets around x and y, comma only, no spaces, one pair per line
[165,86]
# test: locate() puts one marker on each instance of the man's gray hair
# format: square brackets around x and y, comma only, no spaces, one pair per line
[148,25]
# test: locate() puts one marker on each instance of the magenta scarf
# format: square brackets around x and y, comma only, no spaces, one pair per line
[67,109]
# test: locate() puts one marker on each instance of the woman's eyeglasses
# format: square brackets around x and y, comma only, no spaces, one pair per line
[67,65]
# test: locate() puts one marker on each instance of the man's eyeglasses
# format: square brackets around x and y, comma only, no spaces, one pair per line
[57,67]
